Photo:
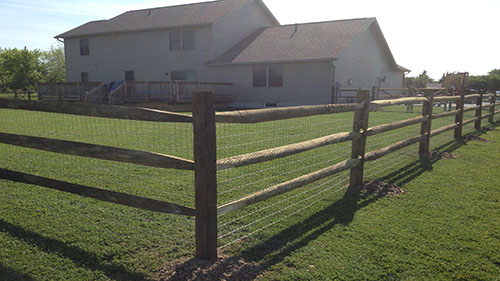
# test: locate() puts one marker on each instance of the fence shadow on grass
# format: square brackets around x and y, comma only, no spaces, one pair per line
[77,255]
[9,274]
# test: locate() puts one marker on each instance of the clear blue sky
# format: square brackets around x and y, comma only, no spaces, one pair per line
[439,36]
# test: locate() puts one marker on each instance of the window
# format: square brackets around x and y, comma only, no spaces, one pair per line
[275,76]
[84,77]
[267,76]
[178,76]
[129,75]
[175,40]
[188,40]
[84,47]
[181,40]
[259,76]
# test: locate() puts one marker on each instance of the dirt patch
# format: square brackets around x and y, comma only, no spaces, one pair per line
[442,155]
[380,188]
[476,138]
[225,269]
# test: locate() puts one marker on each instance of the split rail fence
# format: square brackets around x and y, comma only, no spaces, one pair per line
[206,166]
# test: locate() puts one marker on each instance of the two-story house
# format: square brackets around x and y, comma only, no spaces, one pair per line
[235,41]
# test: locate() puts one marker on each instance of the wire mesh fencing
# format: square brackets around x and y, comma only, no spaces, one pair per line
[288,171]
[169,185]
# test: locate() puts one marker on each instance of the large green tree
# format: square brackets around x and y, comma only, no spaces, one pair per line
[54,68]
[23,68]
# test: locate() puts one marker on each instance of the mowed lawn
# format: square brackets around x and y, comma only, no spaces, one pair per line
[448,218]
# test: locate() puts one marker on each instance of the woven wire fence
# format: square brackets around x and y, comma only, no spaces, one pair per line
[237,139]
[259,221]
[156,183]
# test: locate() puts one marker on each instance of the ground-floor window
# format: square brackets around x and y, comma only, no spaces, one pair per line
[267,76]
[129,75]
[84,77]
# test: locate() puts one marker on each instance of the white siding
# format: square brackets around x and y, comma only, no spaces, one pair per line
[303,84]
[365,60]
[146,53]
[236,26]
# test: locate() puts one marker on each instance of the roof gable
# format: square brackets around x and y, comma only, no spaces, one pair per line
[301,42]
[196,14]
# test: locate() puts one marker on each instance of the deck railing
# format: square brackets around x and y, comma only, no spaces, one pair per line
[134,91]
[65,91]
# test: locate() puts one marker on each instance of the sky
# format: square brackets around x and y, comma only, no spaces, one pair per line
[436,35]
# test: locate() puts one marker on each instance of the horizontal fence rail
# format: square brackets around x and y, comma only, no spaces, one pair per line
[274,114]
[98,151]
[286,186]
[99,194]
[94,110]
[287,150]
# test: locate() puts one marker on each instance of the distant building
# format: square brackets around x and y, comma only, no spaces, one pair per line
[235,41]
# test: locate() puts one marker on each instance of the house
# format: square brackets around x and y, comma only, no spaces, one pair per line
[235,41]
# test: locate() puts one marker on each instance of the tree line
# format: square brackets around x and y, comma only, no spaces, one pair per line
[488,82]
[21,69]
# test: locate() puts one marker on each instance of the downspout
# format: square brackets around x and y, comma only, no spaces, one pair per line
[332,63]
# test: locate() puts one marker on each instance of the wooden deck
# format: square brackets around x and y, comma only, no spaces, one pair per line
[171,92]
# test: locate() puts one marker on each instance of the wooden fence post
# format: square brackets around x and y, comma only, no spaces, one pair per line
[360,125]
[38,91]
[374,93]
[58,92]
[426,126]
[479,112]
[459,119]
[493,101]
[205,161]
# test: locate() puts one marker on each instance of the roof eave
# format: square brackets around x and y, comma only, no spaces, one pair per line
[62,36]
[272,62]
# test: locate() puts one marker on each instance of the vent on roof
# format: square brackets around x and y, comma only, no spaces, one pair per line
[295,31]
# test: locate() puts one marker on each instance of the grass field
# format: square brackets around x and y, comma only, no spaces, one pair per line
[49,235]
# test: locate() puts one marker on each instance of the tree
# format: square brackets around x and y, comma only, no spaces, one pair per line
[420,81]
[54,68]
[3,74]
[489,82]
[22,68]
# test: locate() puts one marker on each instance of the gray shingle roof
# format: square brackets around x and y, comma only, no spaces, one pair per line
[302,42]
[157,18]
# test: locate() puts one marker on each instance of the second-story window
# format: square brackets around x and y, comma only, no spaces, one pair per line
[181,40]
[84,47]
[188,40]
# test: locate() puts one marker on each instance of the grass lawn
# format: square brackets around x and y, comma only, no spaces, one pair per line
[445,227]
[11,96]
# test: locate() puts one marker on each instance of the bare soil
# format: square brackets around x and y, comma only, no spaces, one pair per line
[380,188]
[442,155]
[225,269]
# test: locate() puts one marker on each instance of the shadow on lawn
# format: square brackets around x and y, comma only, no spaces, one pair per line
[77,255]
[9,274]
[273,250]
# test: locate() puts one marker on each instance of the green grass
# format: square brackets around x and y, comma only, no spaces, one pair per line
[49,235]
[12,95]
